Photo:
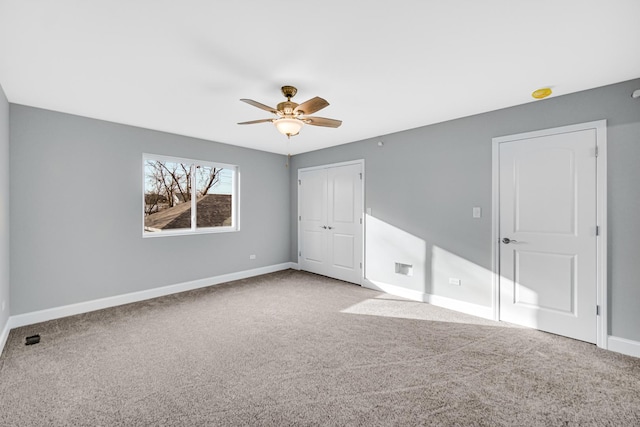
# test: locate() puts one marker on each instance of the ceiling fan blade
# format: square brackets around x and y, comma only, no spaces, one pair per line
[260,105]
[256,121]
[321,121]
[311,106]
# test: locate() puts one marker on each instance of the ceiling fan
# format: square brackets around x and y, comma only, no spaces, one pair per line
[291,116]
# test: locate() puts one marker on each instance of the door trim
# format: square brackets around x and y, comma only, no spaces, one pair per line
[328,166]
[600,127]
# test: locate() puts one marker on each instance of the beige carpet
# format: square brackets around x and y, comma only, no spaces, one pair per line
[292,348]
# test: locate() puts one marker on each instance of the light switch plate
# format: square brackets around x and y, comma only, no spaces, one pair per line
[477,212]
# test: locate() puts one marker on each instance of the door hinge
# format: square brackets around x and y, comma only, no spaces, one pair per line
[596,151]
[300,218]
[360,220]
[299,253]
[597,230]
[361,176]
[299,182]
[360,266]
[597,310]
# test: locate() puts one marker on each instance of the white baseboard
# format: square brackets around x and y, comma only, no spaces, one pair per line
[98,304]
[623,345]
[444,302]
[619,345]
[4,335]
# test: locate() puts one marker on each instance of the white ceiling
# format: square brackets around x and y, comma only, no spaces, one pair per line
[385,66]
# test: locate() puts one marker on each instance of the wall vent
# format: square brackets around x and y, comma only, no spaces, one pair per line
[404,269]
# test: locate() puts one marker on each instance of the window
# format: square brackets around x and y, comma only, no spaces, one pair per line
[183,196]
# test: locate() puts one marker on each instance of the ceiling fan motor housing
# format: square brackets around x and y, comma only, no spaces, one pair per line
[287,107]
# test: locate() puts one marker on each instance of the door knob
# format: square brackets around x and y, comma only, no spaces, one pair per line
[507,240]
[323,226]
[330,228]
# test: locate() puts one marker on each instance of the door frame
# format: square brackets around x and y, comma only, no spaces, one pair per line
[600,127]
[328,166]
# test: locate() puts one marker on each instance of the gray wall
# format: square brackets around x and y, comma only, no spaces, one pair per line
[4,210]
[76,220]
[422,184]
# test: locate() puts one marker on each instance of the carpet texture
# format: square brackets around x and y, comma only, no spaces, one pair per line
[292,348]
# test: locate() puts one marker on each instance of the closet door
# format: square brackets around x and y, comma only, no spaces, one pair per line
[312,213]
[344,230]
[330,218]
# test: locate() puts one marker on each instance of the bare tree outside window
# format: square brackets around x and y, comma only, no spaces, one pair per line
[172,189]
[214,210]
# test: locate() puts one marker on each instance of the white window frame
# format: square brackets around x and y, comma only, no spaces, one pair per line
[235,197]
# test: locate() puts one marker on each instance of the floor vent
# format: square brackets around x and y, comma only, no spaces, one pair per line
[33,339]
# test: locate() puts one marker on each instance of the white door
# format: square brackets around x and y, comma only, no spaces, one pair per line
[330,216]
[548,233]
[312,213]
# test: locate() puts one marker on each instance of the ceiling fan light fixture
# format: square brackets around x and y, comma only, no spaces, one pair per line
[291,116]
[287,126]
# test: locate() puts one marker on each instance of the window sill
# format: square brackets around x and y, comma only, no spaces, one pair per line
[189,232]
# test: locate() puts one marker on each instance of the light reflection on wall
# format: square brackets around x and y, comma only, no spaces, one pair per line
[475,281]
[387,245]
[431,267]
